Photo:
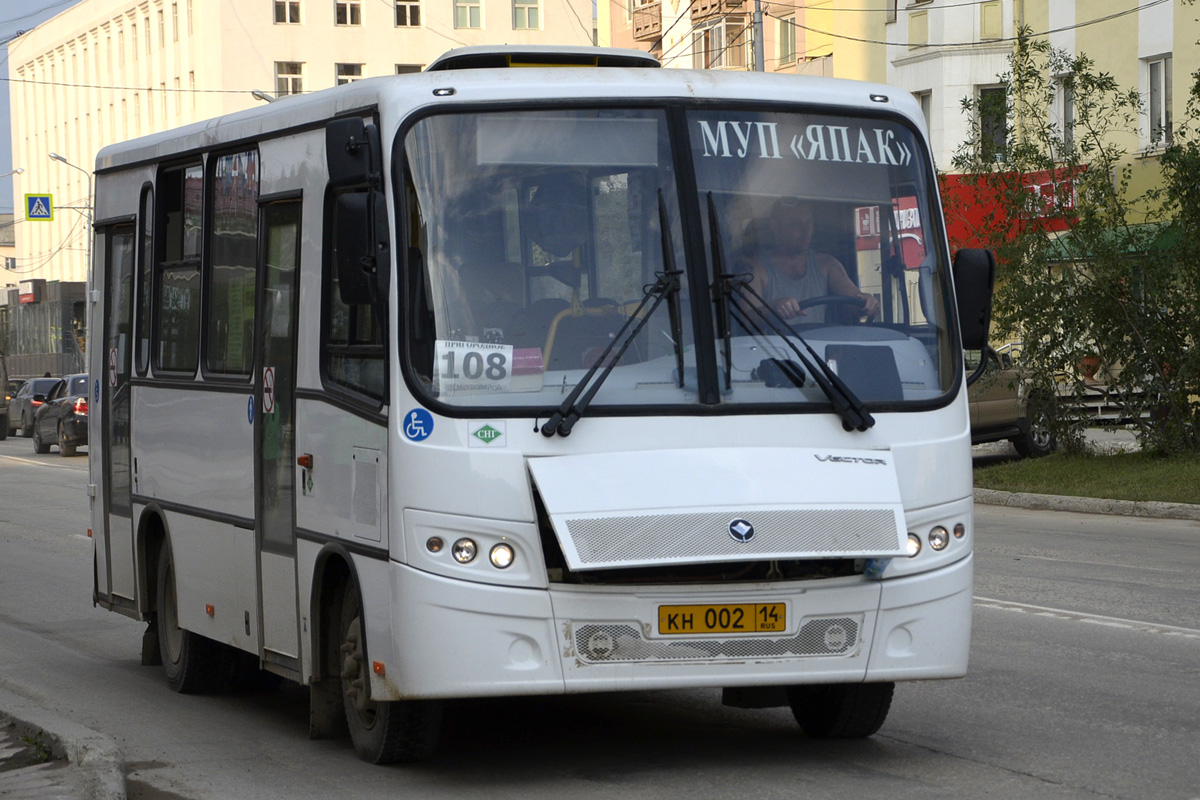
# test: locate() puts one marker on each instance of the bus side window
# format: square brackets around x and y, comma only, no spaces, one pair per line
[177,337]
[354,351]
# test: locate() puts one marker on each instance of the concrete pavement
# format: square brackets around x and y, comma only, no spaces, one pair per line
[70,761]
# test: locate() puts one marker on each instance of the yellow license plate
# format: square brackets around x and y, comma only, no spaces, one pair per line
[739,618]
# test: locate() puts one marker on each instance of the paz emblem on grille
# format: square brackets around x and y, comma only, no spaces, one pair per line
[741,530]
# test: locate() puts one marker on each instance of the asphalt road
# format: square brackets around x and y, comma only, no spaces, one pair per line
[1084,683]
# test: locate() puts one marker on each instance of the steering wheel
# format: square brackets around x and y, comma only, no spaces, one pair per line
[834,300]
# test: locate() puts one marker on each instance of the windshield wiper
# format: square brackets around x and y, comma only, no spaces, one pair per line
[729,288]
[567,414]
[665,287]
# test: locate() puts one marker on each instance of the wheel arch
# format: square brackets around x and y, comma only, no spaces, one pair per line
[333,571]
[152,531]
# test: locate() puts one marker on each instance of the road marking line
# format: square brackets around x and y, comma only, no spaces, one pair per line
[50,464]
[1091,619]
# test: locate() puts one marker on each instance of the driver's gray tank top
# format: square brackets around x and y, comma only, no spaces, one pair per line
[814,283]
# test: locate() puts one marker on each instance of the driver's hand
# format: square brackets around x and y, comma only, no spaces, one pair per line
[788,307]
[870,304]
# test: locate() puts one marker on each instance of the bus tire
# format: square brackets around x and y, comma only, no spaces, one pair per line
[189,660]
[841,710]
[383,732]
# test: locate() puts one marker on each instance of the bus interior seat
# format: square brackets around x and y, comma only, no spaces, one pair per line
[579,340]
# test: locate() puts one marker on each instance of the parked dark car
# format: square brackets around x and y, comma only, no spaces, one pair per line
[63,417]
[1003,407]
[6,393]
[26,402]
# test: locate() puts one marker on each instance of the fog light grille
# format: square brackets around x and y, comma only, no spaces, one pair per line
[601,643]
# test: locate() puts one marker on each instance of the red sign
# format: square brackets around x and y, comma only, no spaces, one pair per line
[975,205]
[906,220]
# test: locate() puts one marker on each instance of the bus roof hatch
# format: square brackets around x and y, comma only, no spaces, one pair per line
[493,57]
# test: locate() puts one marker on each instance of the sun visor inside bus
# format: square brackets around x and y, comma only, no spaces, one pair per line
[710,505]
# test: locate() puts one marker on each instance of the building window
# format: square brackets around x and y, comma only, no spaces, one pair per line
[720,43]
[289,78]
[347,73]
[468,14]
[891,10]
[1157,72]
[787,39]
[525,15]
[287,12]
[1063,113]
[348,12]
[926,100]
[407,69]
[918,28]
[408,15]
[993,123]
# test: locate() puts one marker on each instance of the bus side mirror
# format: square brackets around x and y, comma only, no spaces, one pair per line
[352,153]
[360,246]
[974,276]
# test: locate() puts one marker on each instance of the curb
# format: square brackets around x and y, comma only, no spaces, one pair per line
[1088,505]
[96,765]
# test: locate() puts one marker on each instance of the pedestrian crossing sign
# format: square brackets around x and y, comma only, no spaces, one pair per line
[39,207]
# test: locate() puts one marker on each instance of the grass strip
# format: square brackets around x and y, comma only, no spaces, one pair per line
[1122,476]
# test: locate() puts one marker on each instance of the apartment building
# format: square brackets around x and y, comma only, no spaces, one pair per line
[945,51]
[834,38]
[109,70]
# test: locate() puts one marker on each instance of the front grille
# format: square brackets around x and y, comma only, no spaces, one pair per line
[798,533]
[612,643]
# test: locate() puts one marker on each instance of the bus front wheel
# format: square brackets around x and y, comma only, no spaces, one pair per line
[189,660]
[841,710]
[383,732]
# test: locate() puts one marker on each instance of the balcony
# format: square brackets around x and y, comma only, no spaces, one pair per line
[703,9]
[647,21]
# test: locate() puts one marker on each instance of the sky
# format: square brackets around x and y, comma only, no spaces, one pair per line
[16,16]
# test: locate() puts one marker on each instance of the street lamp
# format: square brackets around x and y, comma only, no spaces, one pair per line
[88,233]
[16,171]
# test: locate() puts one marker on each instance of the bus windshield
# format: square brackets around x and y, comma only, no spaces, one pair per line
[539,241]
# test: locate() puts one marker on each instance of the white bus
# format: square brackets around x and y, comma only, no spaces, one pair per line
[476,382]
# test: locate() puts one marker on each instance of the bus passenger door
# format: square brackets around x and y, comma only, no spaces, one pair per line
[275,431]
[117,537]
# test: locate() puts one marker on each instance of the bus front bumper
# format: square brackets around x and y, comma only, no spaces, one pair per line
[452,638]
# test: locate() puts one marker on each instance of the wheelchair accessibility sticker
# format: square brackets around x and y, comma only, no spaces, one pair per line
[418,424]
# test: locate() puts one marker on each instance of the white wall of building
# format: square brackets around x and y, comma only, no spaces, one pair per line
[955,65]
[108,70]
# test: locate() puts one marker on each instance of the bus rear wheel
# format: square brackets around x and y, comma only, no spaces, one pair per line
[383,732]
[841,710]
[189,660]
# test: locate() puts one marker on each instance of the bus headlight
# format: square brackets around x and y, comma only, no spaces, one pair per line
[914,545]
[502,556]
[939,537]
[465,550]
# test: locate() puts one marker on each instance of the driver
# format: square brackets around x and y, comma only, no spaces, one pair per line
[787,271]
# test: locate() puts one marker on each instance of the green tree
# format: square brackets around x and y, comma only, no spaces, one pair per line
[1122,282]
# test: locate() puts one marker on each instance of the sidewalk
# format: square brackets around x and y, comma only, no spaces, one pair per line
[45,757]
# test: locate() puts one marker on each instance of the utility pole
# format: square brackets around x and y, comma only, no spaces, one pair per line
[759,57]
